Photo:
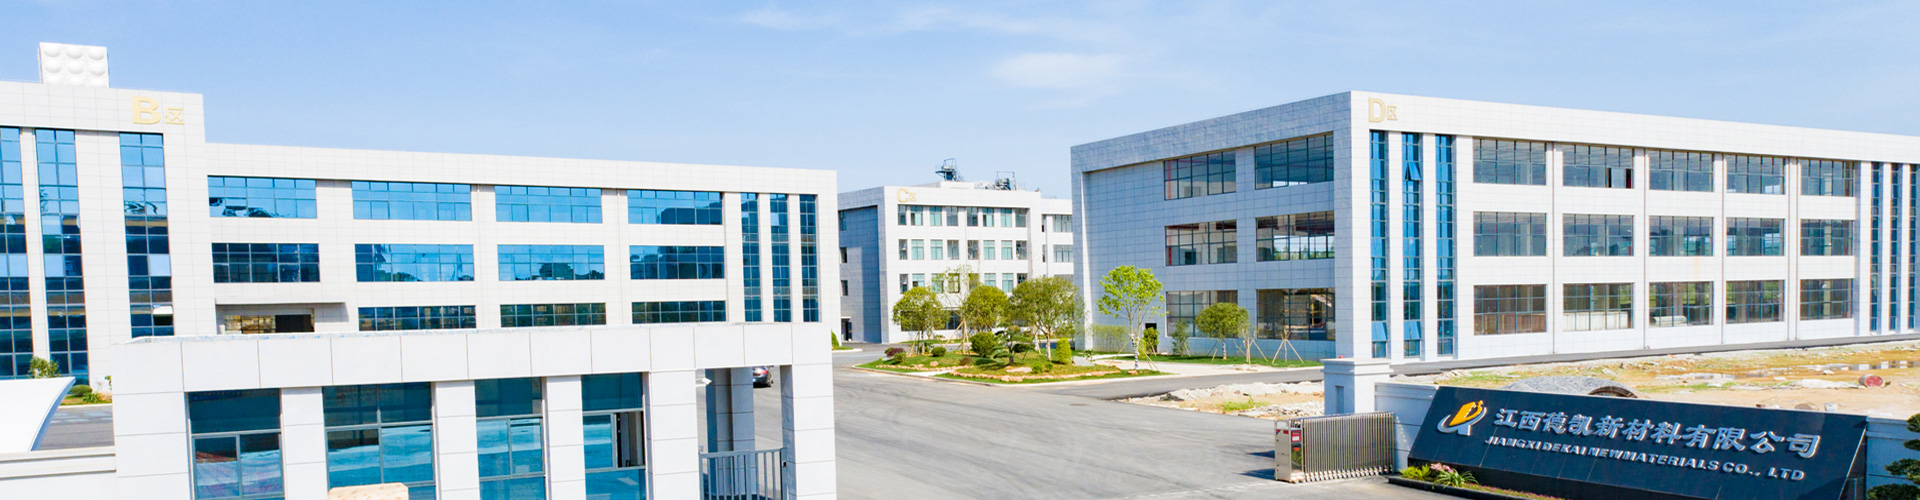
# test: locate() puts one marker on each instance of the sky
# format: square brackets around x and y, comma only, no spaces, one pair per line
[883,92]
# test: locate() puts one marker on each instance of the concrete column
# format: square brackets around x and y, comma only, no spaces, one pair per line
[806,398]
[1349,383]
[730,409]
[673,441]
[303,443]
[456,438]
[566,452]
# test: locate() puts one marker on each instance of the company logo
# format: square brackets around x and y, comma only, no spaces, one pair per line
[147,111]
[1462,421]
[905,196]
[1378,111]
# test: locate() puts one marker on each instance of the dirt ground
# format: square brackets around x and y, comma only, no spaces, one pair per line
[1786,378]
[1266,401]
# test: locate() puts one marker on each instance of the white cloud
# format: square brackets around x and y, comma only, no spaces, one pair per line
[1056,70]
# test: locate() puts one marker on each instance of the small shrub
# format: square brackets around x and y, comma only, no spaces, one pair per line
[1150,341]
[1038,365]
[92,398]
[1022,348]
[836,340]
[1237,406]
[79,391]
[895,352]
[939,351]
[1417,473]
[985,362]
[984,344]
[1442,474]
[1063,352]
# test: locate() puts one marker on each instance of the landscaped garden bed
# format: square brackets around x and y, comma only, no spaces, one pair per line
[1439,478]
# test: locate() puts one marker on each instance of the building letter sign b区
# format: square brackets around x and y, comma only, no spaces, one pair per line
[147,111]
[1378,111]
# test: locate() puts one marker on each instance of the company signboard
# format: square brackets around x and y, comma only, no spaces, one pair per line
[1678,449]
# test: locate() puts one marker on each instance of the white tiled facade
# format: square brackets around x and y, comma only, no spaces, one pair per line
[872,238]
[151,377]
[1123,212]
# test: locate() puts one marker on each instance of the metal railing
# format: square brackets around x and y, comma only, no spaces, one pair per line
[1333,447]
[742,475]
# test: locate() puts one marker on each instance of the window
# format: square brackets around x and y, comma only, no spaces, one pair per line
[236,444]
[377,263]
[16,315]
[682,263]
[374,319]
[1598,306]
[1293,162]
[1598,166]
[919,249]
[1826,177]
[1680,171]
[903,250]
[552,262]
[691,311]
[1591,235]
[514,316]
[1296,314]
[973,250]
[546,204]
[412,201]
[60,229]
[988,251]
[613,419]
[1063,253]
[1294,236]
[511,441]
[843,288]
[953,249]
[143,179]
[1756,174]
[1377,227]
[380,434]
[673,207]
[1199,175]
[1500,161]
[1443,236]
[1753,237]
[1412,275]
[782,230]
[1057,223]
[261,197]
[1019,249]
[1680,236]
[1681,304]
[1509,234]
[1183,307]
[1203,243]
[1826,299]
[266,262]
[1830,237]
[1504,309]
[1753,301]
[750,254]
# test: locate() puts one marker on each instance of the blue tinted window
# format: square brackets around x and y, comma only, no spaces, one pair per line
[416,318]
[380,434]
[60,240]
[266,262]
[261,197]
[616,391]
[546,204]
[511,434]
[143,178]
[552,262]
[1293,162]
[750,252]
[782,229]
[412,201]
[673,207]
[375,263]
[692,311]
[677,263]
[518,315]
[236,443]
[614,431]
[16,320]
[810,259]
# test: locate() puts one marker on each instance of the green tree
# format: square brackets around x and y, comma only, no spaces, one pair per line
[1182,331]
[1150,341]
[1906,467]
[950,288]
[1050,306]
[1131,293]
[1225,320]
[984,309]
[917,311]
[43,368]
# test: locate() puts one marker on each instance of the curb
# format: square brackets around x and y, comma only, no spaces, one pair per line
[991,384]
[851,350]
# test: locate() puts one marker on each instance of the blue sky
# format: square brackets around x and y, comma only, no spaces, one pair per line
[883,91]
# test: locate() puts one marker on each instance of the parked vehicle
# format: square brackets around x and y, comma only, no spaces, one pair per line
[762,377]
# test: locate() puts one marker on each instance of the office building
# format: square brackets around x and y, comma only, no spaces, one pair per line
[1410,228]
[894,238]
[450,323]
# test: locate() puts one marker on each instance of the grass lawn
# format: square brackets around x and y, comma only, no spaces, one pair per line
[921,363]
[1057,370]
[1208,360]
